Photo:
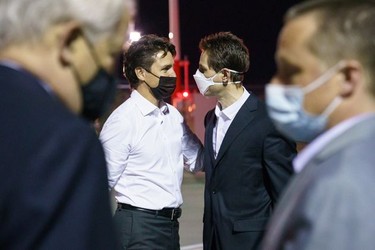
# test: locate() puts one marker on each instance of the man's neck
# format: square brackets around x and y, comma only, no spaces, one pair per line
[145,91]
[230,97]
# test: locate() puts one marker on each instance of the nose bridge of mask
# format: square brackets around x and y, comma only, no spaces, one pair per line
[323,78]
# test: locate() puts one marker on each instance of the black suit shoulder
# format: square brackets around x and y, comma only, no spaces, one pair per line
[53,185]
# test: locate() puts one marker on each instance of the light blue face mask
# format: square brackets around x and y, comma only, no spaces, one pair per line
[285,107]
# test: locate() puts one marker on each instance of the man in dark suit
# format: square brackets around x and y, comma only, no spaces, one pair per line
[55,63]
[247,162]
[324,93]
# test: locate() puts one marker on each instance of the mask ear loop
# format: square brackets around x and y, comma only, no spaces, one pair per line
[152,73]
[154,76]
[324,78]
[231,71]
[320,81]
[93,54]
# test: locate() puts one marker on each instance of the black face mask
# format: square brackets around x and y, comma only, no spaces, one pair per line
[98,95]
[166,86]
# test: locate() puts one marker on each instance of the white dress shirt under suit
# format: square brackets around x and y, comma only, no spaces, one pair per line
[147,149]
[225,118]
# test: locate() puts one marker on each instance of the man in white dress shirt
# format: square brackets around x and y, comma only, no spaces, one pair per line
[147,146]
[324,93]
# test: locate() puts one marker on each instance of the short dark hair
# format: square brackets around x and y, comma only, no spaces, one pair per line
[225,50]
[141,54]
[345,30]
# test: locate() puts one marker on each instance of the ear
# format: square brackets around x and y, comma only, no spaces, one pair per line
[226,77]
[353,76]
[140,73]
[69,33]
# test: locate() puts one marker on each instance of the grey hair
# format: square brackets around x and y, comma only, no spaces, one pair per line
[27,20]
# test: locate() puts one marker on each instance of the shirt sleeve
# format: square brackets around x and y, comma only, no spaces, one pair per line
[115,137]
[192,150]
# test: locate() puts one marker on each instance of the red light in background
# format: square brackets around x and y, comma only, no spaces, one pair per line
[185,94]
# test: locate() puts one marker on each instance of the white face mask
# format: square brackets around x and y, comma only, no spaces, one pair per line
[204,83]
[285,107]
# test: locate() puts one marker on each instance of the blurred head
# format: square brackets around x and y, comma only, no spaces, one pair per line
[319,34]
[29,20]
[67,45]
[343,30]
[325,60]
[149,55]
[224,58]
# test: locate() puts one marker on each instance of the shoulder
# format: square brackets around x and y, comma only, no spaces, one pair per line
[253,102]
[338,182]
[175,112]
[254,106]
[123,114]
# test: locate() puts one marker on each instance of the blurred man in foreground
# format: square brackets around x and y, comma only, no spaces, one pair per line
[326,82]
[56,59]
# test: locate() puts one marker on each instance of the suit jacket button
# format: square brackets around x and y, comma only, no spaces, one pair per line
[214,191]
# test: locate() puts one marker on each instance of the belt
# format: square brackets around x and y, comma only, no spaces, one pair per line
[172,213]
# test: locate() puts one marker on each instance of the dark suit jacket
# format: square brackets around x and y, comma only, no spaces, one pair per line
[245,180]
[330,204]
[53,184]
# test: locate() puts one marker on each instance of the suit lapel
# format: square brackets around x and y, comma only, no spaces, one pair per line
[209,135]
[244,116]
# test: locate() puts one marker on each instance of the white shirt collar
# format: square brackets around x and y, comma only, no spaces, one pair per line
[230,112]
[145,106]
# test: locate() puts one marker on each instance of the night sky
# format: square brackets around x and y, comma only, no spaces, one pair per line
[257,22]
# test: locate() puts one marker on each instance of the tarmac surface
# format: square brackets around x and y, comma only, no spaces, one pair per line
[192,212]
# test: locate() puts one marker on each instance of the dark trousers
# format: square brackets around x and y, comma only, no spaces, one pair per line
[139,230]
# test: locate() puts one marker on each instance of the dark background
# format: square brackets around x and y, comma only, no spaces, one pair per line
[257,22]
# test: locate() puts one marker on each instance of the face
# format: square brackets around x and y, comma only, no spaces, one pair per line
[208,73]
[162,66]
[103,53]
[110,48]
[298,66]
[85,58]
